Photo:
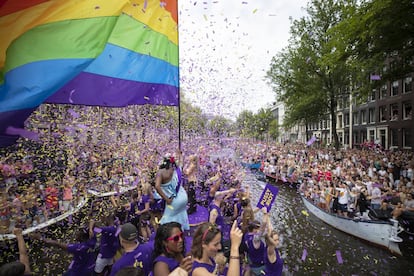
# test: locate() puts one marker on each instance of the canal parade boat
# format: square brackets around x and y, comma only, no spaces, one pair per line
[378,232]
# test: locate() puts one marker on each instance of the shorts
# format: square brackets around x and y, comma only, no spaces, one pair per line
[256,271]
[343,207]
[101,263]
[67,205]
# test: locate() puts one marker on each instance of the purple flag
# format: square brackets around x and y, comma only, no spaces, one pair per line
[375,77]
[268,197]
[23,133]
[311,141]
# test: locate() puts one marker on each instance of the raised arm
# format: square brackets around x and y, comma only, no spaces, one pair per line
[23,256]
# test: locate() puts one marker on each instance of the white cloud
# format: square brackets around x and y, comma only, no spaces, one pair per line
[226,47]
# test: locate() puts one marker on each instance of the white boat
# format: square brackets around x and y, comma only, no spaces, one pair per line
[47,223]
[377,232]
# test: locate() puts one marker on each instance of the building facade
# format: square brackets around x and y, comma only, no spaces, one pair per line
[385,118]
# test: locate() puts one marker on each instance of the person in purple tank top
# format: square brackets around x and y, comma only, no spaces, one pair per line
[108,246]
[169,250]
[83,251]
[206,245]
[273,261]
[143,211]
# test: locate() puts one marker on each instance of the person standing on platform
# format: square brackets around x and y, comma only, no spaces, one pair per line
[168,183]
[191,172]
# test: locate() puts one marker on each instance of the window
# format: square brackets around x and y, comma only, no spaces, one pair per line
[371,115]
[363,136]
[355,118]
[346,119]
[340,104]
[408,85]
[381,114]
[339,121]
[394,88]
[371,135]
[407,111]
[371,97]
[406,132]
[384,91]
[394,137]
[394,112]
[363,116]
[355,138]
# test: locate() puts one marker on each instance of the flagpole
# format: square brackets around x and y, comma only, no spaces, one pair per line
[179,96]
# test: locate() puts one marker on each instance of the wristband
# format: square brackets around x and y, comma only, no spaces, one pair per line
[234,257]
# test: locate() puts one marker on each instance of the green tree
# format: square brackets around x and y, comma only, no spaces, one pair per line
[245,122]
[311,75]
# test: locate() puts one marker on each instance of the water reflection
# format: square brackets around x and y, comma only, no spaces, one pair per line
[299,232]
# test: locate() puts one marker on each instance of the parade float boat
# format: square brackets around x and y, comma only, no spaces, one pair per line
[378,232]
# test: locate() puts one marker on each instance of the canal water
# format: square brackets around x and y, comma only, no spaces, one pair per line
[301,232]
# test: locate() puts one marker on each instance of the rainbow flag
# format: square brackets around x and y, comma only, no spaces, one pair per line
[90,52]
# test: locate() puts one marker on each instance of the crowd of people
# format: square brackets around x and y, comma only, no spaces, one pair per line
[368,183]
[113,233]
[146,230]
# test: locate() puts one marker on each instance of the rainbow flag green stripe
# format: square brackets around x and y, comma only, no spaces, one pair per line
[86,38]
[129,31]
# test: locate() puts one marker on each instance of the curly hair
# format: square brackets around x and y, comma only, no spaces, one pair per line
[204,234]
[163,232]
[167,162]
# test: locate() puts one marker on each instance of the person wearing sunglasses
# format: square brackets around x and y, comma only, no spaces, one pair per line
[169,250]
[206,245]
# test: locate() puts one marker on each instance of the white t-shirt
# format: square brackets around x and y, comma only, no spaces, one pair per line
[376,196]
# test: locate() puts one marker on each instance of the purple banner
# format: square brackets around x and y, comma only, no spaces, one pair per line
[375,77]
[268,197]
[311,141]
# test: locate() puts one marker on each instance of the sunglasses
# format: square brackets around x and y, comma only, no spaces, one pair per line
[176,238]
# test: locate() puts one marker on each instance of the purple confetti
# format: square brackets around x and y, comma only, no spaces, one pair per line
[304,254]
[339,257]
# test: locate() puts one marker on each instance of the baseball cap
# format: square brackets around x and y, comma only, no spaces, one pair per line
[128,232]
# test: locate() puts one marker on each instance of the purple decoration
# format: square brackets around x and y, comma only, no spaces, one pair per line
[23,133]
[339,257]
[304,254]
[267,197]
[311,141]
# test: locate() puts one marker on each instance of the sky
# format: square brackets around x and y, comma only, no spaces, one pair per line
[226,49]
